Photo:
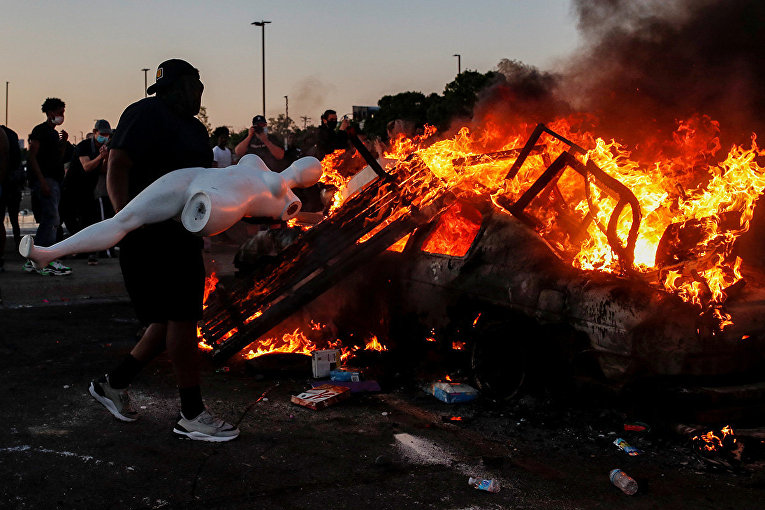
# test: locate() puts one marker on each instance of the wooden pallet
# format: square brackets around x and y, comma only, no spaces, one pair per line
[365,225]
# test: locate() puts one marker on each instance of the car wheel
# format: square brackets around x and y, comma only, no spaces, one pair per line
[498,362]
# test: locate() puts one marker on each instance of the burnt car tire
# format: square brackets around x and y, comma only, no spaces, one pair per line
[498,361]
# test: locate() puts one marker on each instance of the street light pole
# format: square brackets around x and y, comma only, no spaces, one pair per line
[459,66]
[6,103]
[262,25]
[145,81]
[287,107]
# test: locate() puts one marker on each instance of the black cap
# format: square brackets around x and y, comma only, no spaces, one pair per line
[169,71]
[259,119]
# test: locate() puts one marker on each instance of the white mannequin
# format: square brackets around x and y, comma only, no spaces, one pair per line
[206,201]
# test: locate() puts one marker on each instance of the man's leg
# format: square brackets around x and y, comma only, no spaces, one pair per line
[49,218]
[184,355]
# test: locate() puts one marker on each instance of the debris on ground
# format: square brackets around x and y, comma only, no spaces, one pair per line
[321,396]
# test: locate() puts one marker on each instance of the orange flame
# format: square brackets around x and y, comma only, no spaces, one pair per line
[295,342]
[712,441]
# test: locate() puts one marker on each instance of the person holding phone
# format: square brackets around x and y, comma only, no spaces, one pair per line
[259,142]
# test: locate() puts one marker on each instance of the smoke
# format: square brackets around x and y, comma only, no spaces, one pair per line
[310,95]
[648,64]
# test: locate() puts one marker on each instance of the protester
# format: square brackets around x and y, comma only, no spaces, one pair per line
[10,186]
[84,200]
[260,143]
[329,138]
[221,153]
[167,296]
[47,150]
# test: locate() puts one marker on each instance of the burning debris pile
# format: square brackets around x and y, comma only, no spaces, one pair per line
[607,185]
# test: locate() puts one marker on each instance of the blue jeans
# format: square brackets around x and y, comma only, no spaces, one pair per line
[49,219]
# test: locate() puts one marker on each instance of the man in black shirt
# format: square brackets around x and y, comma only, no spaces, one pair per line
[162,263]
[11,180]
[45,162]
[88,167]
[260,143]
[328,138]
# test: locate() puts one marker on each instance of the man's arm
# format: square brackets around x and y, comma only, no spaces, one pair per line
[274,149]
[89,165]
[34,166]
[4,155]
[241,148]
[120,164]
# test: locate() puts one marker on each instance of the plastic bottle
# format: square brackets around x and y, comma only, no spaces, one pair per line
[625,482]
[484,485]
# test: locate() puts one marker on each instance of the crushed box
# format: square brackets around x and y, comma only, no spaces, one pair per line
[321,396]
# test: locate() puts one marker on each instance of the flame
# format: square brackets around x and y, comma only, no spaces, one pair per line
[458,346]
[712,441]
[295,342]
[375,345]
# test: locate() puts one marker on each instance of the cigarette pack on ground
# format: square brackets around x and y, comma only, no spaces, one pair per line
[450,392]
[344,374]
[323,362]
[630,450]
[321,396]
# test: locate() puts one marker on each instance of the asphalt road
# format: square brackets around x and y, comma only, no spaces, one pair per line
[391,450]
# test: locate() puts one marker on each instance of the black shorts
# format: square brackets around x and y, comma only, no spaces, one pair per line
[164,272]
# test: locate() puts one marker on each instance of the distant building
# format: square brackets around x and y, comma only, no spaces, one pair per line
[362,113]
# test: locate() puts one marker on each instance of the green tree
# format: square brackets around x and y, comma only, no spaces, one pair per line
[411,106]
[459,97]
[202,116]
[282,126]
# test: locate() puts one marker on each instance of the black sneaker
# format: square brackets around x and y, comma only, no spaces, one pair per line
[115,401]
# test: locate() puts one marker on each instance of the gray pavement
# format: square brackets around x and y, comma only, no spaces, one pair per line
[60,449]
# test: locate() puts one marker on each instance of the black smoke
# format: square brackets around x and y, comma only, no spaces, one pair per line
[646,64]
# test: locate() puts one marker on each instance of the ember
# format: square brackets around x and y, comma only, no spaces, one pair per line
[713,440]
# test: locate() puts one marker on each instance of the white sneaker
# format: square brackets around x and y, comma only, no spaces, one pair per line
[116,401]
[205,427]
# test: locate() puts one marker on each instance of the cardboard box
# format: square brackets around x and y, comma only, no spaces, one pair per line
[450,392]
[321,396]
[323,362]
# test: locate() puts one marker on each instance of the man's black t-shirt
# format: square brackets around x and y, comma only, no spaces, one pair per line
[159,141]
[14,157]
[259,148]
[49,156]
[77,179]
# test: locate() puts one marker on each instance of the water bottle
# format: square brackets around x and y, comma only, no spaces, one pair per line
[625,482]
[484,485]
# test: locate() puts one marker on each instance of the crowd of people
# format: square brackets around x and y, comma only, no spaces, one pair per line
[74,186]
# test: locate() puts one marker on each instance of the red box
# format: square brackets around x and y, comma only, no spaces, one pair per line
[321,396]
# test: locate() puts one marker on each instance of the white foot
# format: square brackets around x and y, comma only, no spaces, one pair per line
[25,246]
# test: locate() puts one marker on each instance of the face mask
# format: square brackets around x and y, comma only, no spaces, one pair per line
[102,139]
[331,124]
[58,120]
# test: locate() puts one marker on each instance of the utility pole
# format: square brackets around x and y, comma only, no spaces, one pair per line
[305,120]
[262,25]
[459,66]
[287,107]
[6,103]
[145,81]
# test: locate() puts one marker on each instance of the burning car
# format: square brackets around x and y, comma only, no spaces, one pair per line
[549,264]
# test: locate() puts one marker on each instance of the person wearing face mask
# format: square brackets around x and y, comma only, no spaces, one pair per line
[329,137]
[259,142]
[84,199]
[162,263]
[45,162]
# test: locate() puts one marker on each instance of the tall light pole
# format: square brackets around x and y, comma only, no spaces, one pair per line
[6,103]
[145,81]
[287,107]
[262,25]
[459,66]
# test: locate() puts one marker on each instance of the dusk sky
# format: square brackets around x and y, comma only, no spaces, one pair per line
[321,54]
